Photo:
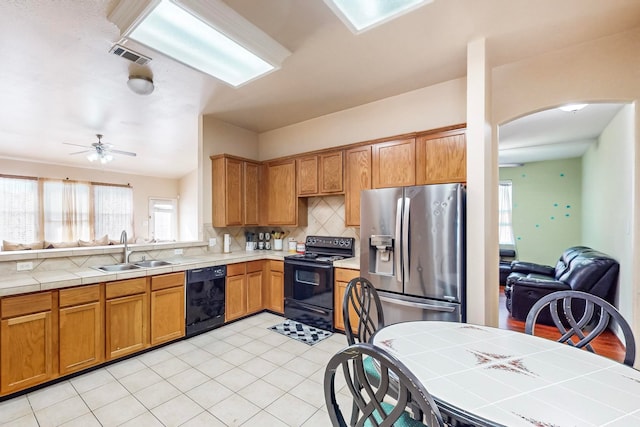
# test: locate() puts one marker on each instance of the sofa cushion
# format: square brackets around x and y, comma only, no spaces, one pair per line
[13,246]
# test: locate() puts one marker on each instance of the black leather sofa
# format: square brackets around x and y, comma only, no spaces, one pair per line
[507,256]
[579,268]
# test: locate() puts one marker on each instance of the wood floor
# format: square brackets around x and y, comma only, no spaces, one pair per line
[607,344]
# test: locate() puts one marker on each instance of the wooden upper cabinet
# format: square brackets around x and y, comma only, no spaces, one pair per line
[393,163]
[251,192]
[441,157]
[283,205]
[307,175]
[235,191]
[357,178]
[330,177]
[320,174]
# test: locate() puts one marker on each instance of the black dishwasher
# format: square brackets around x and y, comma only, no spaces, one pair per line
[205,299]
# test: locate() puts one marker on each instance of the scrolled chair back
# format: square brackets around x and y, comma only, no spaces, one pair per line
[361,304]
[373,408]
[581,317]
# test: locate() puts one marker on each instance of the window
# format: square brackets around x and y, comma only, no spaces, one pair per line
[113,207]
[19,209]
[55,210]
[163,219]
[505,225]
[66,211]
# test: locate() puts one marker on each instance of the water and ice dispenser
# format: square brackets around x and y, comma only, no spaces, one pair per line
[381,255]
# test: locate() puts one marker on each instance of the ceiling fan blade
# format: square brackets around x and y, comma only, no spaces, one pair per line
[76,145]
[126,153]
[80,152]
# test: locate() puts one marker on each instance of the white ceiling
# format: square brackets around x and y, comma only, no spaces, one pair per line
[58,83]
[553,133]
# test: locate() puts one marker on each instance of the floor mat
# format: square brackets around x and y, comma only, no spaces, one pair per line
[301,332]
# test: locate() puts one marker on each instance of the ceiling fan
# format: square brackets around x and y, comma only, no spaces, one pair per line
[100,151]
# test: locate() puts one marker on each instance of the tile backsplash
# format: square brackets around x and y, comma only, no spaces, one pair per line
[325,218]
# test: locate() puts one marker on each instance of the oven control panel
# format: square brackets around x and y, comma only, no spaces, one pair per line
[329,242]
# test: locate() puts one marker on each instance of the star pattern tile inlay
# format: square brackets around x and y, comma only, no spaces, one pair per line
[502,362]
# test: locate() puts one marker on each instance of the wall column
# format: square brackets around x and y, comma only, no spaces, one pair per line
[482,189]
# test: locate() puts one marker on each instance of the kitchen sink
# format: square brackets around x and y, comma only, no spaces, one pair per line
[151,263]
[118,267]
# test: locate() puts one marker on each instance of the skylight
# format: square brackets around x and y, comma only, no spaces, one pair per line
[362,15]
[207,36]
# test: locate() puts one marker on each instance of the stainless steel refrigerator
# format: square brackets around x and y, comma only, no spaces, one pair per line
[412,250]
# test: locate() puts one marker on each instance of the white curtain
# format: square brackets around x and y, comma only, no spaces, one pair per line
[113,207]
[66,211]
[18,209]
[505,230]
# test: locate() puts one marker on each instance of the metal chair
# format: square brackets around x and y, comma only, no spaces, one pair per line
[361,302]
[362,311]
[594,314]
[372,399]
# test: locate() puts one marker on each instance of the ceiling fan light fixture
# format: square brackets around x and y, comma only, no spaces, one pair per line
[141,85]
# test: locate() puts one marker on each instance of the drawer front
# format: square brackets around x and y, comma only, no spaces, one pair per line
[276,266]
[165,281]
[79,295]
[25,304]
[236,269]
[123,288]
[345,274]
[253,266]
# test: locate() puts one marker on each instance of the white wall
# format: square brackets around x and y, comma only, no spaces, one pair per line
[607,203]
[219,137]
[188,207]
[144,187]
[423,109]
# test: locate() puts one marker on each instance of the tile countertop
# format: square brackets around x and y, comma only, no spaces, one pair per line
[21,283]
[350,263]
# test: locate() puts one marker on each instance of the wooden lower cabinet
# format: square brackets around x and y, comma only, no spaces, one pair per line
[255,273]
[81,326]
[235,295]
[274,292]
[126,317]
[342,277]
[167,307]
[243,293]
[28,339]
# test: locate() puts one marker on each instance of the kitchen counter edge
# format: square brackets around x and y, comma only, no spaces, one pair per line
[22,283]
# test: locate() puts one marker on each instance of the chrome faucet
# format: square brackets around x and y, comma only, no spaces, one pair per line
[125,252]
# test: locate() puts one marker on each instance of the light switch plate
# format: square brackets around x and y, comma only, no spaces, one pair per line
[178,251]
[25,266]
[212,242]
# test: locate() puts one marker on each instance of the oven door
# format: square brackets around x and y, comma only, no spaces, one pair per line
[308,282]
[308,288]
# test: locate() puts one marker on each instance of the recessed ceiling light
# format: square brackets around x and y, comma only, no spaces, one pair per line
[572,107]
[362,15]
[208,36]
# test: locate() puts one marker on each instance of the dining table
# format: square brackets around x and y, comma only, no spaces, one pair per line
[485,376]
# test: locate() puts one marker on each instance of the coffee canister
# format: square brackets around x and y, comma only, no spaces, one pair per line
[300,247]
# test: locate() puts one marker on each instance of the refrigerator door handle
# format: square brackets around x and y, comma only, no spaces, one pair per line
[448,309]
[405,240]
[398,238]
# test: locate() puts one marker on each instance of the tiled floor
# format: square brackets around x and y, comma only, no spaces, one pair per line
[242,374]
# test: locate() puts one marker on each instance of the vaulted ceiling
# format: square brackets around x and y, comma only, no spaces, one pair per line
[59,83]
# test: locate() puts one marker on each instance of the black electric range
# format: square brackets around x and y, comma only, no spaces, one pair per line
[308,280]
